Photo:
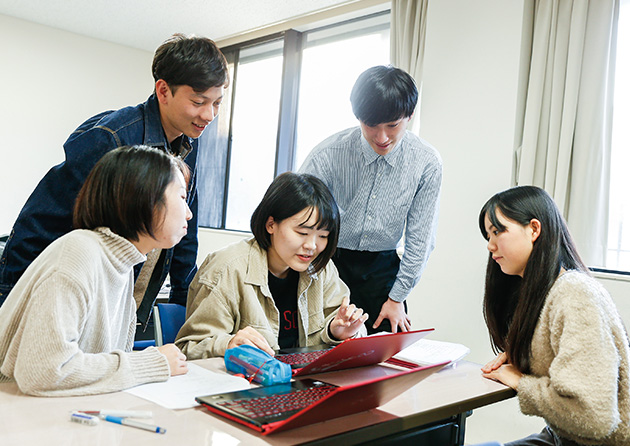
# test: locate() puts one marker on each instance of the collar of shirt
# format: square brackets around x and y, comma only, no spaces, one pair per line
[154,133]
[369,155]
[257,268]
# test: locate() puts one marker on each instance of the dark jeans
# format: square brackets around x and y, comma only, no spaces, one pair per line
[370,276]
[546,437]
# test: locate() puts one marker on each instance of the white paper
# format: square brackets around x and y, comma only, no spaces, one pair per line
[179,392]
[428,351]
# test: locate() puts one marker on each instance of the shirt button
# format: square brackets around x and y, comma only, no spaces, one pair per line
[369,217]
[373,196]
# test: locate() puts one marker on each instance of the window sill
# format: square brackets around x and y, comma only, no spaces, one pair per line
[224,231]
[620,276]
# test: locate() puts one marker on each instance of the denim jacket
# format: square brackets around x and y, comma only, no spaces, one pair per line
[47,214]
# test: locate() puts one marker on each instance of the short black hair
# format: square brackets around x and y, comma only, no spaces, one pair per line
[383,94]
[190,60]
[125,191]
[289,194]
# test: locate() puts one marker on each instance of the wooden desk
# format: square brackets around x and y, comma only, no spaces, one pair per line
[36,421]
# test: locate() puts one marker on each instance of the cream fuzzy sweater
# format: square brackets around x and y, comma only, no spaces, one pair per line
[579,362]
[68,325]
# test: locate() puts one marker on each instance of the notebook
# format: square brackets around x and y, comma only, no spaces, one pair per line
[357,352]
[307,401]
[429,351]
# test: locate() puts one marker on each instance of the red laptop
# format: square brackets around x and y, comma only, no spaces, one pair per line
[357,352]
[307,401]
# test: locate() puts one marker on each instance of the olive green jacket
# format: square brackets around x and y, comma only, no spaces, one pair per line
[231,292]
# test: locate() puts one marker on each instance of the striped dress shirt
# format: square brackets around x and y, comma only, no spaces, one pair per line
[380,198]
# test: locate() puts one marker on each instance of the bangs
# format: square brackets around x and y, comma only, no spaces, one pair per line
[492,216]
[326,220]
[490,210]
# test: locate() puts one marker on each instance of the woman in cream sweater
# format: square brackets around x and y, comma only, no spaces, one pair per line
[562,344]
[67,327]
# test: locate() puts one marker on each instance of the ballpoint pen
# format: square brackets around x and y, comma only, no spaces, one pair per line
[120,413]
[133,423]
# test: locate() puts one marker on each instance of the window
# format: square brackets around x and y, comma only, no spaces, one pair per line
[254,130]
[330,67]
[287,93]
[618,257]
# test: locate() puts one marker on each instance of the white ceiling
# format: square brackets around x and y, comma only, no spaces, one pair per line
[145,24]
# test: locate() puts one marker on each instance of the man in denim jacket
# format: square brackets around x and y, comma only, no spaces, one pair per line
[190,77]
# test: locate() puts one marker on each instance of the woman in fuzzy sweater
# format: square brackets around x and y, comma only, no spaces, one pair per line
[68,325]
[562,344]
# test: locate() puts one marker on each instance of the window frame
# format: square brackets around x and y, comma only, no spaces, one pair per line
[294,43]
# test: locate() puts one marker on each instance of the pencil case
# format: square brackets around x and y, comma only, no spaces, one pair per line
[256,365]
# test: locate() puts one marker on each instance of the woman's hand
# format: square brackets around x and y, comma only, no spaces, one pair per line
[495,363]
[348,320]
[176,359]
[249,336]
[506,374]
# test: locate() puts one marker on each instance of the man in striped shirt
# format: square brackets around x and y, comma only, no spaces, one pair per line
[386,181]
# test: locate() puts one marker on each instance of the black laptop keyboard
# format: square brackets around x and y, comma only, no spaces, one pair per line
[282,404]
[300,358]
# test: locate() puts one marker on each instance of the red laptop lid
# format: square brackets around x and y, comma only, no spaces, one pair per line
[359,352]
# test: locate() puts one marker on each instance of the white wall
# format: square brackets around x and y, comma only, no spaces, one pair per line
[469,109]
[51,82]
[211,240]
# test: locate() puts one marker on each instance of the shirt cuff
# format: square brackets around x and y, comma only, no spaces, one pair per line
[526,390]
[149,365]
[398,293]
[327,337]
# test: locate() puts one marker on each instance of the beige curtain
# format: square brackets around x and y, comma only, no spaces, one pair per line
[566,129]
[407,36]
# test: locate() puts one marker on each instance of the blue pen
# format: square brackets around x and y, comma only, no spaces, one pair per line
[134,423]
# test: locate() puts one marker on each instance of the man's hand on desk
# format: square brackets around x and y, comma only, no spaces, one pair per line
[249,336]
[176,359]
[395,312]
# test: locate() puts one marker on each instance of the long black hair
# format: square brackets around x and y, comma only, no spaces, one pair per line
[512,305]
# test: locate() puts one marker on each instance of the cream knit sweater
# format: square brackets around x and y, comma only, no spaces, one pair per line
[67,328]
[579,362]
